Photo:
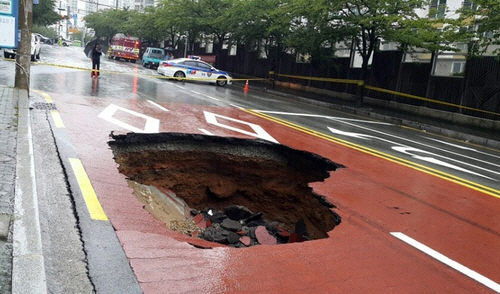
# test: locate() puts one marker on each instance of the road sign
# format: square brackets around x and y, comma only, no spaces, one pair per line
[8,23]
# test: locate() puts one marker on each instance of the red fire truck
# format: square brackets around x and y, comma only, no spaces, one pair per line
[124,47]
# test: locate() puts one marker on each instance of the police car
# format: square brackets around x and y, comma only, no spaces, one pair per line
[192,69]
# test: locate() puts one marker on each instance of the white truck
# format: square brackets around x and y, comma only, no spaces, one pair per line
[35,49]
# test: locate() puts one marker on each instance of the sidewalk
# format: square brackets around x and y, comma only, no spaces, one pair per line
[8,135]
[21,258]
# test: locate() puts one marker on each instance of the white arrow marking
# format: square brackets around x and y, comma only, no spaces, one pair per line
[350,134]
[409,150]
[211,118]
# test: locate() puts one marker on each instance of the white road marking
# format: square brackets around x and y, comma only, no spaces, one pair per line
[449,144]
[321,116]
[236,106]
[404,149]
[449,262]
[211,118]
[158,105]
[152,125]
[420,143]
[461,147]
[206,132]
[408,151]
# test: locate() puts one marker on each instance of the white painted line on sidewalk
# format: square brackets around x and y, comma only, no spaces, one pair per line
[449,262]
[28,266]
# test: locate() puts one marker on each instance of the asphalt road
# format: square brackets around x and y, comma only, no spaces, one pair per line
[129,97]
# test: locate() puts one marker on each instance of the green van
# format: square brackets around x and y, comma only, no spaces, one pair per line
[152,57]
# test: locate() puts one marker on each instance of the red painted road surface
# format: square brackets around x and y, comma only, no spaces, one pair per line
[374,197]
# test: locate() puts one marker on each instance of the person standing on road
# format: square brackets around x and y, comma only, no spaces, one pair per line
[96,60]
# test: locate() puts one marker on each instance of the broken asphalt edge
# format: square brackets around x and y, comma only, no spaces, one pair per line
[28,269]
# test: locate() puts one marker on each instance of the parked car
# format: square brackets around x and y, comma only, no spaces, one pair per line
[46,40]
[152,57]
[186,68]
[66,42]
[35,49]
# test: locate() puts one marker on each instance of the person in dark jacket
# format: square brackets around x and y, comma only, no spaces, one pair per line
[96,60]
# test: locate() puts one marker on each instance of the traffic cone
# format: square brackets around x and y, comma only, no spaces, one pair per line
[246,87]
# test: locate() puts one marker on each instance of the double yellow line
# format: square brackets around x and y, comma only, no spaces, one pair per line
[469,184]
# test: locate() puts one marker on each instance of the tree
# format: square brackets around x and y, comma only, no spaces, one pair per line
[263,25]
[106,23]
[364,23]
[481,23]
[212,17]
[44,14]
[313,32]
[144,25]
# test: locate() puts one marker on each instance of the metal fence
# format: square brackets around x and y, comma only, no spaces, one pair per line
[477,93]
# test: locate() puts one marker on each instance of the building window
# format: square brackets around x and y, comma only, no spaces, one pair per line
[458,68]
[437,8]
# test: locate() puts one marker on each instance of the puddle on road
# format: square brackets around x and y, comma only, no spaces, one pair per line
[233,191]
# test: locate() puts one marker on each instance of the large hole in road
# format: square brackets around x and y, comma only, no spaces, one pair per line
[234,191]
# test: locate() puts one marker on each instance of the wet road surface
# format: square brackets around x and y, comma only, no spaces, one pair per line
[420,212]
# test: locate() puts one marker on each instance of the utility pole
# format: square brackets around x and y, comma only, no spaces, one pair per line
[67,22]
[23,53]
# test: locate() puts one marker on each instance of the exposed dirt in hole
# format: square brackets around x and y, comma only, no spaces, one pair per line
[177,176]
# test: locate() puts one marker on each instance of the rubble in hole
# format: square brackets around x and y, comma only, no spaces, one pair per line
[239,192]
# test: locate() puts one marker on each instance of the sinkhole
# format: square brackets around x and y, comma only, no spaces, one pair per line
[233,191]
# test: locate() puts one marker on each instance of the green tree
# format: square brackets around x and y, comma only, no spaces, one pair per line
[313,32]
[144,25]
[44,31]
[364,23]
[212,17]
[174,19]
[44,14]
[106,23]
[481,22]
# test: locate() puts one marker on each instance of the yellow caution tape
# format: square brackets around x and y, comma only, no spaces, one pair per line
[361,83]
[150,75]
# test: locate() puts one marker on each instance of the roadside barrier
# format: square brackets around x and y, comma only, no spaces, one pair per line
[360,83]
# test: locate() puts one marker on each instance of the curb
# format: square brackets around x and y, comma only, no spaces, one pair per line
[28,269]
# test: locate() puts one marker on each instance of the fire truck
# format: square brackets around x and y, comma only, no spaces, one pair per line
[124,47]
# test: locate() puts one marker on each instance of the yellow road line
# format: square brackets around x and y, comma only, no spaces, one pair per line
[57,119]
[419,167]
[94,207]
[47,98]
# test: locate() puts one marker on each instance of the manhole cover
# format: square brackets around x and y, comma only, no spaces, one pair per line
[239,192]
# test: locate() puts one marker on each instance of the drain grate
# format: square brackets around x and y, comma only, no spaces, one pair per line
[44,106]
